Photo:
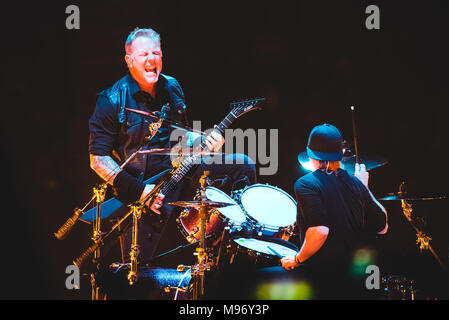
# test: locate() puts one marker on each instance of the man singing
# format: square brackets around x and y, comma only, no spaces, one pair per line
[116,133]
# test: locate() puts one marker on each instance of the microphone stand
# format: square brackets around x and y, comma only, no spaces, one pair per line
[136,210]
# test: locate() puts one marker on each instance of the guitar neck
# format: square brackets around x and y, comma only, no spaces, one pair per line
[178,173]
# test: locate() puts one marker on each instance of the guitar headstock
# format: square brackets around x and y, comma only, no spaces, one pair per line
[241,107]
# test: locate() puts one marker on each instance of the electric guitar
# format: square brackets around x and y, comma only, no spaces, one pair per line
[170,179]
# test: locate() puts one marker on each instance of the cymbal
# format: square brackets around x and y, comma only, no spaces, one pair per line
[348,161]
[197,204]
[404,196]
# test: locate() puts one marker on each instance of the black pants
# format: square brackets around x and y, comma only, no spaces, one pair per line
[159,234]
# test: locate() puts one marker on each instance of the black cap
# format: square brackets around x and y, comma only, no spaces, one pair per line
[325,143]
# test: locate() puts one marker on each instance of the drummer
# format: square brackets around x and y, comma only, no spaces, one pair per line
[336,212]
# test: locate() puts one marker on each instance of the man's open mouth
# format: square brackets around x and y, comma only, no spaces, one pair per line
[151,69]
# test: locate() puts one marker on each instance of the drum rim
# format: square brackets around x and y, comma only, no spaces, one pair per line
[266,226]
[278,241]
[237,223]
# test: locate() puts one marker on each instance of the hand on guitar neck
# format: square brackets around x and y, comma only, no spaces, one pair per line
[214,141]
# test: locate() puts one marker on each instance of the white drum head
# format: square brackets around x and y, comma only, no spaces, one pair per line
[269,205]
[233,213]
[270,248]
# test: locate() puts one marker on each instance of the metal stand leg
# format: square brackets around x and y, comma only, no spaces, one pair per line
[99,193]
[134,254]
[198,271]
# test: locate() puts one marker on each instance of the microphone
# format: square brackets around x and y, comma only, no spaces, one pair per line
[86,254]
[154,126]
[181,106]
[163,113]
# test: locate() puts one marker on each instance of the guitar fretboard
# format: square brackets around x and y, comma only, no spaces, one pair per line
[191,160]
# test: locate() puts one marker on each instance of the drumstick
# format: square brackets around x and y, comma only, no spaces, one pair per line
[355,136]
[275,252]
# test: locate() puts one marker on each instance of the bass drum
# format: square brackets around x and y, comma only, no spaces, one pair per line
[152,283]
[189,221]
[271,211]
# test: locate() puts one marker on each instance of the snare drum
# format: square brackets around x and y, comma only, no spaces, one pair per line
[189,221]
[259,252]
[271,211]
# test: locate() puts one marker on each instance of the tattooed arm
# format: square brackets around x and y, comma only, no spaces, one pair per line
[108,169]
[105,167]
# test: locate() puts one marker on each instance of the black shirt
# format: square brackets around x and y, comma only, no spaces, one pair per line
[117,132]
[342,203]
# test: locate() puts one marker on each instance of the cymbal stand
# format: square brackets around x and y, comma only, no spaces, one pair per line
[198,270]
[422,239]
[136,210]
[99,193]
[97,237]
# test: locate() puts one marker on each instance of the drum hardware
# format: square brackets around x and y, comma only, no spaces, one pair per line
[134,253]
[263,251]
[238,109]
[269,211]
[99,195]
[198,271]
[225,212]
[203,207]
[178,288]
[169,289]
[224,239]
[136,211]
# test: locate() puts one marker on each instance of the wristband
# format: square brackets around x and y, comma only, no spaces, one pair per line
[297,260]
[129,188]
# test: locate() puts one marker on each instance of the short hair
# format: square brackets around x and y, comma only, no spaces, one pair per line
[138,32]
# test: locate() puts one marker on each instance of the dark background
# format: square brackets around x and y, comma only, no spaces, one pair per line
[312,60]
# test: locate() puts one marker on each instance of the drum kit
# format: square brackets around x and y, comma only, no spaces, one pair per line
[258,222]
[252,225]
